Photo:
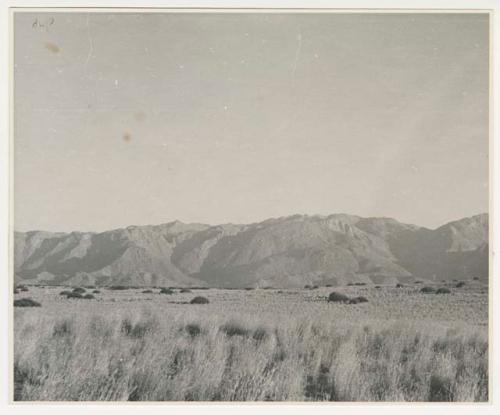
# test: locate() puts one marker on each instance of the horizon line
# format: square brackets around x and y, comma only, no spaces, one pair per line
[317,215]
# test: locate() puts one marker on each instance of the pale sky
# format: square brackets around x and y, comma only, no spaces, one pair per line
[131,119]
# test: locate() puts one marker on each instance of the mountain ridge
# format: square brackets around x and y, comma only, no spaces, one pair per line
[288,251]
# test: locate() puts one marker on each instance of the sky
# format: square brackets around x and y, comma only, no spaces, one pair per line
[144,118]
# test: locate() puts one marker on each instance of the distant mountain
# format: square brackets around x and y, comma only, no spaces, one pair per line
[285,252]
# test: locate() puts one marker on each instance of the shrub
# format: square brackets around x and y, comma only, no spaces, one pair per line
[199,300]
[96,292]
[147,292]
[193,329]
[427,290]
[16,291]
[26,302]
[65,292]
[357,300]
[118,287]
[460,285]
[249,288]
[399,285]
[475,278]
[338,297]
[88,297]
[377,287]
[234,329]
[418,282]
[166,291]
[24,289]
[440,389]
[186,290]
[443,291]
[74,295]
[307,287]
[314,287]
[79,290]
[328,285]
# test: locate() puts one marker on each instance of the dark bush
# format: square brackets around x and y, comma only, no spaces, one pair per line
[96,292]
[249,288]
[78,290]
[338,297]
[234,329]
[418,282]
[357,300]
[88,297]
[475,278]
[307,287]
[193,329]
[399,285]
[89,287]
[118,287]
[16,291]
[26,302]
[427,290]
[328,285]
[24,289]
[65,292]
[440,389]
[360,284]
[443,291]
[460,284]
[314,287]
[166,291]
[147,292]
[185,290]
[377,287]
[74,295]
[199,300]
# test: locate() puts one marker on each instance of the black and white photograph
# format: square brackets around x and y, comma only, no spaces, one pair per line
[264,205]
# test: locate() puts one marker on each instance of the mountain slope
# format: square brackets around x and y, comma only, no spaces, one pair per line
[284,252]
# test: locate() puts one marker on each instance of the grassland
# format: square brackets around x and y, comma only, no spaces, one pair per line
[265,345]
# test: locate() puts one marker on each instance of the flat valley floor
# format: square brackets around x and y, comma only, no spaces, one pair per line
[254,345]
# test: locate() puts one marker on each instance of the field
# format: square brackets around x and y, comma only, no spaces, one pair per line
[247,345]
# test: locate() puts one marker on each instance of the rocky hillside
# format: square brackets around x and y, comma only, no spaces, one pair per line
[285,252]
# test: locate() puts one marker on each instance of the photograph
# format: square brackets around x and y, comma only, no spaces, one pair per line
[253,205]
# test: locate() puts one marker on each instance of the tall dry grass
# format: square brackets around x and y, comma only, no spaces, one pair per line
[156,357]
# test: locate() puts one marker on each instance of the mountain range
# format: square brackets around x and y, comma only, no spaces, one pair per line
[285,252]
